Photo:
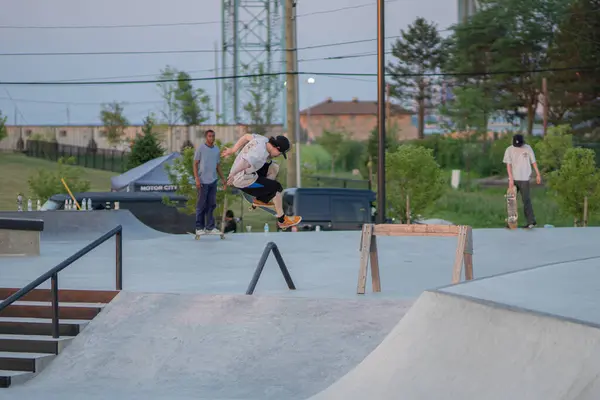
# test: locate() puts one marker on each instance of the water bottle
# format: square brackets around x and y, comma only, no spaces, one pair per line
[39,205]
[89,204]
[66,204]
[19,203]
[83,205]
[29,205]
[266,228]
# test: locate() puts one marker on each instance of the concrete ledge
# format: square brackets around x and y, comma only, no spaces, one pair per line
[20,236]
[22,224]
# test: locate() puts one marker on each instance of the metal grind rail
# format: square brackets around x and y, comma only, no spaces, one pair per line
[53,274]
[270,247]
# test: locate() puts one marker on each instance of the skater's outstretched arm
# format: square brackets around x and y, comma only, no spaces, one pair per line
[240,143]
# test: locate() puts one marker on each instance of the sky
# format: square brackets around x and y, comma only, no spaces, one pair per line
[21,23]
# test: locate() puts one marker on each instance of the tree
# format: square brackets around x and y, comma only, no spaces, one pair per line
[114,122]
[470,109]
[45,183]
[193,104]
[421,50]
[551,150]
[181,175]
[145,147]
[499,45]
[168,89]
[3,132]
[412,171]
[574,90]
[332,142]
[576,179]
[264,91]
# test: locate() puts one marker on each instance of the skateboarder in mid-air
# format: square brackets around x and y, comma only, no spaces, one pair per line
[254,172]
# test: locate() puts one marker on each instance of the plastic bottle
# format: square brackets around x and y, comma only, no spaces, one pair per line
[29,205]
[266,228]
[39,205]
[83,204]
[89,204]
[66,204]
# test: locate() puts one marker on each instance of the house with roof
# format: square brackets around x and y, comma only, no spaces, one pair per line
[355,118]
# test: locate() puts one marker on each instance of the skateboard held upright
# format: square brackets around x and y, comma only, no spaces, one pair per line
[511,207]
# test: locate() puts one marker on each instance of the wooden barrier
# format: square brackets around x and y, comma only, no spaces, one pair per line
[368,248]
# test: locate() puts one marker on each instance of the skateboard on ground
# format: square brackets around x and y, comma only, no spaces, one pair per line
[222,232]
[511,208]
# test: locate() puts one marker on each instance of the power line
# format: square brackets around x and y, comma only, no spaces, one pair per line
[162,25]
[316,46]
[329,74]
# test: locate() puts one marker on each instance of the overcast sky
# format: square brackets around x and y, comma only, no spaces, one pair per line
[48,104]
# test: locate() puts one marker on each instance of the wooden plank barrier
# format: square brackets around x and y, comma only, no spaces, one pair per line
[368,248]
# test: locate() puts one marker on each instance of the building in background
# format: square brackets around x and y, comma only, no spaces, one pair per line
[354,118]
[466,8]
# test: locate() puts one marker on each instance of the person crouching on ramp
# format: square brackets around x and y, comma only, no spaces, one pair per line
[253,172]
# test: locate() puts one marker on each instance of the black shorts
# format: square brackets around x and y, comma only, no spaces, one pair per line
[264,189]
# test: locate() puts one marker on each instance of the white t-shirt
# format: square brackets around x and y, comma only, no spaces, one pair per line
[256,154]
[520,158]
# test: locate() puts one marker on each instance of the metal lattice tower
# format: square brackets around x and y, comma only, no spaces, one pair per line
[253,33]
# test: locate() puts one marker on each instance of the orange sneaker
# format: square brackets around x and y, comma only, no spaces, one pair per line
[289,221]
[258,203]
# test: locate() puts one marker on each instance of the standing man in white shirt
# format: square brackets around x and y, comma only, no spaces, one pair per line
[254,172]
[518,159]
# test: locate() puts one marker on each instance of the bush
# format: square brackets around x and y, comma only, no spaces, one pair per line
[45,184]
[576,179]
[412,171]
[551,150]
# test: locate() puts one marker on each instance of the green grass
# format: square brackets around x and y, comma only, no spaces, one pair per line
[486,208]
[15,170]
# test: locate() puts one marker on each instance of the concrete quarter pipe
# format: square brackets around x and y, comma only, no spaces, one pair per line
[454,348]
[86,225]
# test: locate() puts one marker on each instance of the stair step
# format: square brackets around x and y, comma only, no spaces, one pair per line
[7,377]
[33,343]
[22,361]
[64,295]
[39,326]
[43,311]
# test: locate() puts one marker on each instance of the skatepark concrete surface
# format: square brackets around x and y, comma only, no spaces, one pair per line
[525,328]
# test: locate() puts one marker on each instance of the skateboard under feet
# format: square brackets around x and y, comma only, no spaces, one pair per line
[222,232]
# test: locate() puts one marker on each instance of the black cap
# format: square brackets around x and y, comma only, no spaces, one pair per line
[282,144]
[518,140]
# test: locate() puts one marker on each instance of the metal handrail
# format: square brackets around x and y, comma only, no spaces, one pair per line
[270,247]
[53,274]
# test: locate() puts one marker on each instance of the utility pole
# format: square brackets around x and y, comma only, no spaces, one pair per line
[387,106]
[292,90]
[217,82]
[381,112]
[545,91]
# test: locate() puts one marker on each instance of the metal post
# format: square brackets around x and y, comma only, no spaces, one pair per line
[381,112]
[54,292]
[283,268]
[119,260]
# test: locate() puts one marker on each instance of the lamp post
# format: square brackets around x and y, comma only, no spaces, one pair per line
[381,112]
[310,81]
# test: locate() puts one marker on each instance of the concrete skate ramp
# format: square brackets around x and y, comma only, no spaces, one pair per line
[170,346]
[452,348]
[86,225]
